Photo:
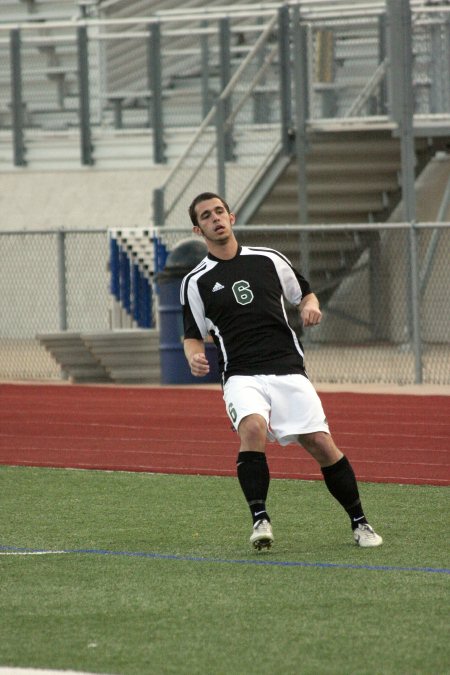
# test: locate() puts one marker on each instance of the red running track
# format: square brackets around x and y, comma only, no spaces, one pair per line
[388,437]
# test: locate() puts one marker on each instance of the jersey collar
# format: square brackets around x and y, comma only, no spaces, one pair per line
[213,257]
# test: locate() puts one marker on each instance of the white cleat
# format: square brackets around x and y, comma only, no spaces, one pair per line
[262,535]
[365,536]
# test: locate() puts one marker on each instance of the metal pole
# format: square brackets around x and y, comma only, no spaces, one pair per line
[375,286]
[204,56]
[300,43]
[62,290]
[401,38]
[221,148]
[446,61]
[302,110]
[439,86]
[158,207]
[285,78]
[261,104]
[225,76]
[16,97]
[382,51]
[84,103]
[156,102]
[394,88]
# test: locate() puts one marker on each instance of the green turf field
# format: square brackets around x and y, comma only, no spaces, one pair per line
[218,612]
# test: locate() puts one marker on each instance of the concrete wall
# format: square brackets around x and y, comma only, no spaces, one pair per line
[77,199]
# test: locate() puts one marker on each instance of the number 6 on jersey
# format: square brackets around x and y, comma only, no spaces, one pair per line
[242,292]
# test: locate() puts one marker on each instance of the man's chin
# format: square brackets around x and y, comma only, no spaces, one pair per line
[219,237]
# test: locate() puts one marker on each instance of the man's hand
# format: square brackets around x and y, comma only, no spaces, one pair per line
[310,311]
[194,351]
[199,365]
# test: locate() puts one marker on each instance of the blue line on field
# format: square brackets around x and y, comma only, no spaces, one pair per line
[251,561]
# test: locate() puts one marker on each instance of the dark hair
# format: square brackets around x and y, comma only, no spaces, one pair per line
[203,197]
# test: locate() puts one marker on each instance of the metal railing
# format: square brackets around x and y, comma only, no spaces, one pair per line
[223,114]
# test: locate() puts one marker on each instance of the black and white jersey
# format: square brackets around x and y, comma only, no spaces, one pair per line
[240,303]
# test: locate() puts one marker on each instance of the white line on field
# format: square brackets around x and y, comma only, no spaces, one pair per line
[39,671]
[30,553]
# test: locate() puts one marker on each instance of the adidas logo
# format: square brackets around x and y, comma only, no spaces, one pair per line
[217,287]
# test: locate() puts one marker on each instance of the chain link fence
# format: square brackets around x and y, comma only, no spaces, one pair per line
[60,281]
[49,281]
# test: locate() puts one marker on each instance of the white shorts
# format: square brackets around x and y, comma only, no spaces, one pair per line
[289,404]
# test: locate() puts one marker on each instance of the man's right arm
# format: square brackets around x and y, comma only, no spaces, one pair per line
[194,351]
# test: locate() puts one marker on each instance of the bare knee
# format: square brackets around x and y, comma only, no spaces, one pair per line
[252,432]
[321,446]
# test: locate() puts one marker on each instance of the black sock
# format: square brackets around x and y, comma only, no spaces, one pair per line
[341,482]
[254,478]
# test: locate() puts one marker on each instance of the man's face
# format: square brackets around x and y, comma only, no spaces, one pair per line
[214,221]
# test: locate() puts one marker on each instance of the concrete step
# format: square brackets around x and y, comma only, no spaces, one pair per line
[322,204]
[135,375]
[341,186]
[371,147]
[337,166]
[130,356]
[71,353]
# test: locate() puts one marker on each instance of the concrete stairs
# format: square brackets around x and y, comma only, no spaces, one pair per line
[76,360]
[353,177]
[120,356]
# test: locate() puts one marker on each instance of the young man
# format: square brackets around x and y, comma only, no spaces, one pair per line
[235,294]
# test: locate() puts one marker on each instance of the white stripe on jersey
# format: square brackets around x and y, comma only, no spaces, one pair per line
[294,336]
[200,267]
[289,282]
[197,306]
[194,297]
[218,335]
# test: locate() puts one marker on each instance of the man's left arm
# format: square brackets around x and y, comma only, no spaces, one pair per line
[310,310]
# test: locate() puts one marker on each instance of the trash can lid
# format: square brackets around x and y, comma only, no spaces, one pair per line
[186,254]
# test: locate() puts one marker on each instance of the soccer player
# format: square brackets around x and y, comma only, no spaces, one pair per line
[236,296]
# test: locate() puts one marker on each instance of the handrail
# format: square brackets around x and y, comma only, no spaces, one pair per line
[369,88]
[227,123]
[310,13]
[126,21]
[329,227]
[223,95]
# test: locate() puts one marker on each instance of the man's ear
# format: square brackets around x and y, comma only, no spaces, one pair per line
[232,218]
[196,230]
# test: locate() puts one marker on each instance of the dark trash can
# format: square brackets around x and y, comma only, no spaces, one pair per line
[174,367]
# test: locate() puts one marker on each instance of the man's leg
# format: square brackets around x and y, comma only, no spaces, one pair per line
[341,482]
[254,476]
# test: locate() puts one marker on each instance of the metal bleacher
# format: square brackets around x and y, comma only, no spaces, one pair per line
[49,64]
[13,11]
[120,96]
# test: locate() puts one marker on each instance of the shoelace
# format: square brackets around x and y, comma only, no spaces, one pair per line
[367,529]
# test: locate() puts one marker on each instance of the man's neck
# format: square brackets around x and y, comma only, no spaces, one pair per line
[225,251]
